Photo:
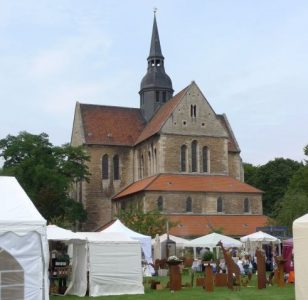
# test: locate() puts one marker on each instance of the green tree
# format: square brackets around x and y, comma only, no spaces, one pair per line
[295,201]
[272,178]
[46,173]
[149,223]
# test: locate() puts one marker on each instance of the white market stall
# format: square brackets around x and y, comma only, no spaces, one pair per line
[300,242]
[159,241]
[78,279]
[256,240]
[145,240]
[23,245]
[211,240]
[114,264]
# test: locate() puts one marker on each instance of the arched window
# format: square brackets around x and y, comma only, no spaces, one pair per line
[194,156]
[155,161]
[149,163]
[160,203]
[219,204]
[142,167]
[116,171]
[205,159]
[183,158]
[105,167]
[246,205]
[188,205]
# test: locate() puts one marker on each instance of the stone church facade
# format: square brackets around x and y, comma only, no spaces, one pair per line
[174,154]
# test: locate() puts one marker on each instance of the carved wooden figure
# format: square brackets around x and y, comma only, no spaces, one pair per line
[280,271]
[232,267]
[261,269]
[209,279]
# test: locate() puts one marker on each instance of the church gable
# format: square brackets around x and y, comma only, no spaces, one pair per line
[193,115]
[77,137]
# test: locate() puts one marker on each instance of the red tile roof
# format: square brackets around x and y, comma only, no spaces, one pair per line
[111,125]
[190,183]
[161,116]
[199,225]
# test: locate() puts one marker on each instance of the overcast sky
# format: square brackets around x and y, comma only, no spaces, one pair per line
[250,59]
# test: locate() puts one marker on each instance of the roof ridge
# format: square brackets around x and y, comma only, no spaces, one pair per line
[127,186]
[109,106]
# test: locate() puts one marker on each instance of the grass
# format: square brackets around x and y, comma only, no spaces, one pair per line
[197,293]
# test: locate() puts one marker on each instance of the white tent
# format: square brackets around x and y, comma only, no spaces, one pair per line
[211,240]
[114,264]
[78,282]
[259,236]
[159,246]
[144,240]
[256,240]
[23,245]
[300,242]
[180,242]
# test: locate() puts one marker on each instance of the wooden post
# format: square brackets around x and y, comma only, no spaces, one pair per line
[175,283]
[208,282]
[261,269]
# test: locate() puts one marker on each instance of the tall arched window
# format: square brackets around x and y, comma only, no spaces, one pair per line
[155,161]
[194,156]
[149,163]
[105,167]
[183,158]
[246,205]
[205,159]
[116,167]
[142,167]
[188,205]
[219,205]
[160,203]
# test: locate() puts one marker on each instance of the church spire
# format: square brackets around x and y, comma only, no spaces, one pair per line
[156,85]
[155,50]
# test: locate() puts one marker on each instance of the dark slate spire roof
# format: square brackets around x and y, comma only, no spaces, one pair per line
[155,50]
[156,85]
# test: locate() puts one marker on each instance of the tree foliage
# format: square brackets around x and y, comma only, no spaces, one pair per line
[272,178]
[149,223]
[295,201]
[46,173]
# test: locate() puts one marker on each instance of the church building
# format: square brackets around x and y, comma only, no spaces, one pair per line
[174,154]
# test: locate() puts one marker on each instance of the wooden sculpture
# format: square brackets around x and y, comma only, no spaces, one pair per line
[209,280]
[261,269]
[280,271]
[234,274]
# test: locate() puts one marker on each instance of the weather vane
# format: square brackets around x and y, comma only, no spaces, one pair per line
[155,10]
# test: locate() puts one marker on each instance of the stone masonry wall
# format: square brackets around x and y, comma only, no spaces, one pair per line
[203,203]
[98,192]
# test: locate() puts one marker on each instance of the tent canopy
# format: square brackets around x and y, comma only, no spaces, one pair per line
[144,240]
[23,238]
[180,242]
[55,233]
[259,236]
[112,237]
[300,241]
[211,240]
[17,211]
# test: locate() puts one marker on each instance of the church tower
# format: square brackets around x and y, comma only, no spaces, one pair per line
[156,85]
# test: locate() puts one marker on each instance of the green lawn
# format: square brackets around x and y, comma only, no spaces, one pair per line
[246,293]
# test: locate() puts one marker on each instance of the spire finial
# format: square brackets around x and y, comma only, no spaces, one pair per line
[155,10]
